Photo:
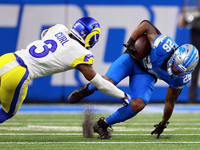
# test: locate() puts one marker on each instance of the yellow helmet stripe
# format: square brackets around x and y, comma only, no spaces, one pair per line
[94,32]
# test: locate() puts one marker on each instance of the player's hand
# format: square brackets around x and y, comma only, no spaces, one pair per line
[126,101]
[131,48]
[159,128]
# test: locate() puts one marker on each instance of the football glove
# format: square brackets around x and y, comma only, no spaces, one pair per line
[130,49]
[159,128]
[126,101]
[130,46]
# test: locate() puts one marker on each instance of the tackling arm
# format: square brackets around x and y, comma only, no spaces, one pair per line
[102,85]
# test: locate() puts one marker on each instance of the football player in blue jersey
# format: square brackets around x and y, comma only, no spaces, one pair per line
[167,61]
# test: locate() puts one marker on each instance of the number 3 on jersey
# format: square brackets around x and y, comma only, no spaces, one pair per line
[45,48]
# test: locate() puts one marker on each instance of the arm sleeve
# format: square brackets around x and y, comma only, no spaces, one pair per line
[106,87]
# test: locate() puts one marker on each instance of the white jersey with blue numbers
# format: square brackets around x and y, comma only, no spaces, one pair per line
[162,48]
[55,53]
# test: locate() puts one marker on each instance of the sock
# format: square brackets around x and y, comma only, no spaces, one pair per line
[120,115]
[92,88]
[4,116]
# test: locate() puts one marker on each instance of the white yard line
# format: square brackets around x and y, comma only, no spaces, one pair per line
[78,124]
[79,128]
[1,134]
[99,142]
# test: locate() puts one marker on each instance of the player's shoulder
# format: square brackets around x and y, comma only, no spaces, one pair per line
[180,82]
[81,56]
[164,44]
[77,48]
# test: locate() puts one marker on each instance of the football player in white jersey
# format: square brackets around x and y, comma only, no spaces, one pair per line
[58,50]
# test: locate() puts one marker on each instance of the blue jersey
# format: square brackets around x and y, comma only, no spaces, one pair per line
[162,48]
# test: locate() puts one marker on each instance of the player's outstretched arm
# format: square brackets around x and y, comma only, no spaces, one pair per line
[102,85]
[171,97]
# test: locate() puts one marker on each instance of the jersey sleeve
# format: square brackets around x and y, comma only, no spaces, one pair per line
[86,59]
[179,83]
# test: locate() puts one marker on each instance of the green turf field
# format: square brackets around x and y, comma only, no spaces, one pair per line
[64,131]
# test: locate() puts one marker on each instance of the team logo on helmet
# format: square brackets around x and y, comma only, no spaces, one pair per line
[86,30]
[92,38]
[185,59]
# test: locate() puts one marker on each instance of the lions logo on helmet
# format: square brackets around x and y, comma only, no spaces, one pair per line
[185,58]
[86,30]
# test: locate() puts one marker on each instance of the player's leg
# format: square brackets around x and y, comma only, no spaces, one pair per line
[119,69]
[142,86]
[14,86]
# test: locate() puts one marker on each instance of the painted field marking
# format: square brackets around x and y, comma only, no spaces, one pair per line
[71,134]
[118,125]
[99,142]
[79,128]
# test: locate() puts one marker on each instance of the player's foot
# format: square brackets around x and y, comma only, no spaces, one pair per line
[101,127]
[77,95]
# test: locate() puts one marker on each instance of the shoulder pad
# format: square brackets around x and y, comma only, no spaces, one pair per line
[164,44]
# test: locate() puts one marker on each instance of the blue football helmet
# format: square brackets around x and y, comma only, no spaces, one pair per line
[185,58]
[86,30]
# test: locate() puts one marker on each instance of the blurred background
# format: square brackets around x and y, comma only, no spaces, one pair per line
[22,21]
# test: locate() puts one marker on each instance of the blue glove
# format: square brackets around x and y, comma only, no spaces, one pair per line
[126,101]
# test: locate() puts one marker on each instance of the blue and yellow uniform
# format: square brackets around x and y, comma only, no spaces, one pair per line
[55,52]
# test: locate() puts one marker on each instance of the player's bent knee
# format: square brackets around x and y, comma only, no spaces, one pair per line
[4,116]
[137,105]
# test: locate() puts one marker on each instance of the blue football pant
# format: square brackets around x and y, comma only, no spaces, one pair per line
[141,85]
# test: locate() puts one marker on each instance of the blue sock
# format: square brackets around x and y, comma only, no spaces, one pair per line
[120,115]
[92,88]
[4,116]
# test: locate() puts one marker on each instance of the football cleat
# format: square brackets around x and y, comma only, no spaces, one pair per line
[101,127]
[77,95]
